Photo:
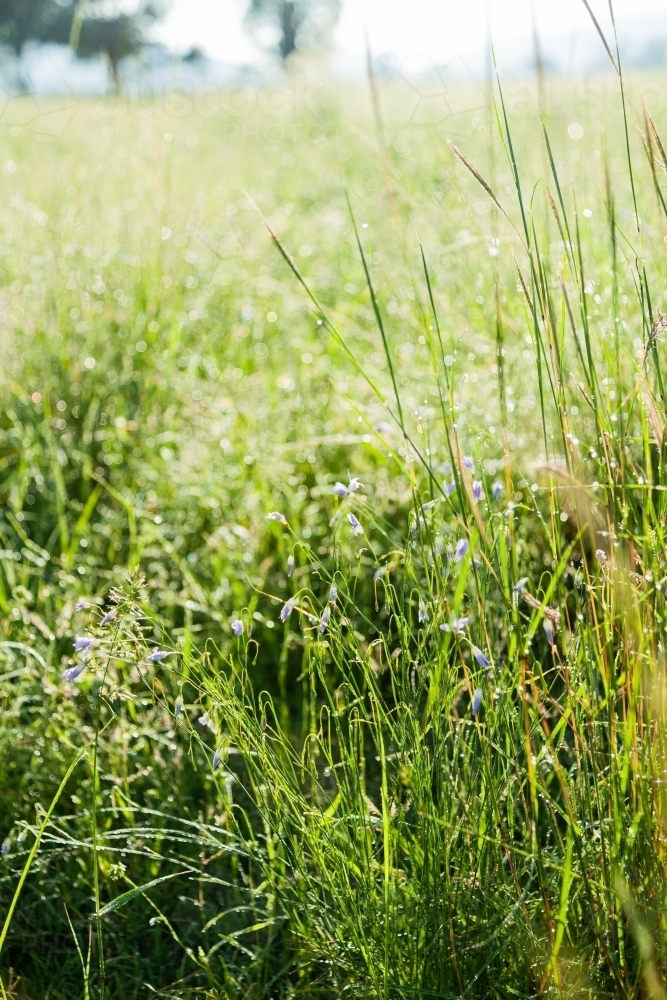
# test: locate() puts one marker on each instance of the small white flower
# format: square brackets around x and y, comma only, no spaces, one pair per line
[275,515]
[457,626]
[341,490]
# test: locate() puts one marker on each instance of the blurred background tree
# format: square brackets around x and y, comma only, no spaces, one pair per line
[287,26]
[22,21]
[117,36]
[91,27]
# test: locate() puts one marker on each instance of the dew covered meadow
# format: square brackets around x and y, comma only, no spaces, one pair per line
[332,545]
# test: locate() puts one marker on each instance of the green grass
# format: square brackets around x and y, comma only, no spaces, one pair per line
[387,815]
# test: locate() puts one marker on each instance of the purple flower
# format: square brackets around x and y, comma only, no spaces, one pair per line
[333,595]
[83,642]
[549,630]
[341,490]
[601,555]
[469,462]
[275,515]
[217,757]
[157,655]
[82,604]
[457,625]
[237,627]
[427,506]
[476,701]
[461,549]
[72,673]
[423,613]
[480,657]
[109,617]
[286,611]
[178,707]
[6,846]
[520,585]
[290,565]
[477,489]
[356,526]
[204,720]
[449,488]
[326,615]
[496,489]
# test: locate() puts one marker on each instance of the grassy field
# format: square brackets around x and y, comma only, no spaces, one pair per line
[332,543]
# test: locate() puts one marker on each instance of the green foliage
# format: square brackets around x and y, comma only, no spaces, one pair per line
[432,762]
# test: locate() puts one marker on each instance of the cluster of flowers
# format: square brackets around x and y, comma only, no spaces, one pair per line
[289,606]
[85,645]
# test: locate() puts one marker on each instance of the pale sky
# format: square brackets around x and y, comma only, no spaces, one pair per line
[437,29]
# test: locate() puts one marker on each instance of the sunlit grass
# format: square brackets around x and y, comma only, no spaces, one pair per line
[431,761]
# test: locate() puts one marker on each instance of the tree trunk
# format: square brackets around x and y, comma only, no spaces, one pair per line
[115,74]
[288,28]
